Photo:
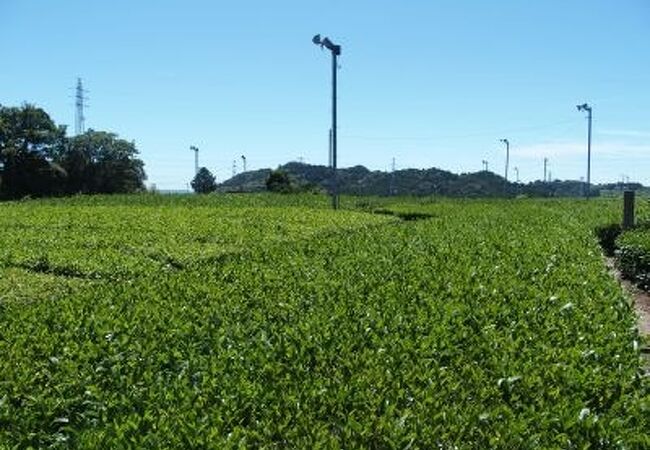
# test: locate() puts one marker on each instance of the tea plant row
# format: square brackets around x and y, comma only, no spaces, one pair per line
[479,325]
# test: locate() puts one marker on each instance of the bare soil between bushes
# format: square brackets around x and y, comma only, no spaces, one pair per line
[641,300]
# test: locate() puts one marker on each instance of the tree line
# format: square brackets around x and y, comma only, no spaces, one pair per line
[38,159]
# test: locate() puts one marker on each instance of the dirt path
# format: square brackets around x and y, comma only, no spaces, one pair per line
[641,305]
[641,298]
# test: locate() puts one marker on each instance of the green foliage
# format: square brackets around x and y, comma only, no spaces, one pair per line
[607,235]
[204,182]
[37,159]
[99,162]
[279,181]
[358,180]
[262,321]
[27,138]
[633,251]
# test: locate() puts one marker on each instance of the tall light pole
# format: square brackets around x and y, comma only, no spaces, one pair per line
[505,141]
[586,107]
[336,51]
[243,160]
[545,164]
[329,148]
[517,173]
[196,158]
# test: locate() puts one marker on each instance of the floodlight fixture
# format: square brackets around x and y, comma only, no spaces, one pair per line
[325,42]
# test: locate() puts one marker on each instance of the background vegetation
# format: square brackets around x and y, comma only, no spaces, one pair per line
[38,159]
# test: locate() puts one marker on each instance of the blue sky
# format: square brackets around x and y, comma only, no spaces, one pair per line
[430,83]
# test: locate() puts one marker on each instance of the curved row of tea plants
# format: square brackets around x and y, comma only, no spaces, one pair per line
[485,325]
[633,252]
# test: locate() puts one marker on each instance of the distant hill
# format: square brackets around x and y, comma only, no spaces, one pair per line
[358,180]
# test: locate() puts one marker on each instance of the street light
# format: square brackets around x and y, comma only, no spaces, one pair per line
[196,159]
[545,165]
[587,108]
[336,51]
[505,141]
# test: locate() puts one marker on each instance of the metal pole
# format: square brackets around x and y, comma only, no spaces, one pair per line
[335,189]
[505,182]
[628,210]
[545,162]
[196,158]
[330,148]
[589,156]
[586,107]
[505,141]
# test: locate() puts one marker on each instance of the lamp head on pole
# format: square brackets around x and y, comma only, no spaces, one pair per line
[325,42]
[505,141]
[584,107]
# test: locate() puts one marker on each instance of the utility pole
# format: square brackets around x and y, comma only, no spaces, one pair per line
[243,159]
[586,107]
[505,141]
[517,173]
[392,179]
[550,176]
[545,164]
[196,158]
[336,52]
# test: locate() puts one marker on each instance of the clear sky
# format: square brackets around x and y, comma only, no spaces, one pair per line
[431,83]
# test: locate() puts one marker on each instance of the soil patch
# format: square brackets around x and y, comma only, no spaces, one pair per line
[641,298]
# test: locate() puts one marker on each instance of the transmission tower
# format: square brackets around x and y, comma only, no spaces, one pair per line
[80,119]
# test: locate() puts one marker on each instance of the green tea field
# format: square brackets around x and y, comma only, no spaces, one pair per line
[270,321]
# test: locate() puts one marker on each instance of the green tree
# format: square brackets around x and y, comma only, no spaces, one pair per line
[279,181]
[28,137]
[204,182]
[100,162]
